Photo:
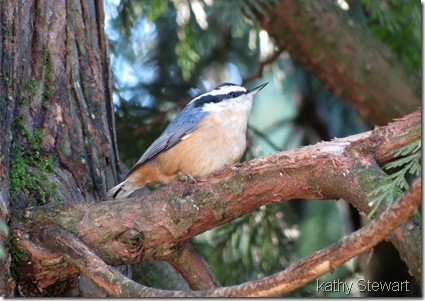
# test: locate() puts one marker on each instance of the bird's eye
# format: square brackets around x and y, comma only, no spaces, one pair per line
[232,94]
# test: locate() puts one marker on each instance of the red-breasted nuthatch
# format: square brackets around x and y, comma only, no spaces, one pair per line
[207,135]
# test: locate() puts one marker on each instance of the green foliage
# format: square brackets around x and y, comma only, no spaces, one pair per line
[5,32]
[166,60]
[406,162]
[185,50]
[46,56]
[31,86]
[397,24]
[250,7]
[48,77]
[3,231]
[253,246]
[29,169]
[157,8]
[321,226]
[16,253]
[317,228]
[180,48]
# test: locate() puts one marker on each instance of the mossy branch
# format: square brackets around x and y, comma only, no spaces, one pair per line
[317,264]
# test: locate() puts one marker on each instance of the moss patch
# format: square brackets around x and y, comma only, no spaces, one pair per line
[16,253]
[236,185]
[48,77]
[31,86]
[29,168]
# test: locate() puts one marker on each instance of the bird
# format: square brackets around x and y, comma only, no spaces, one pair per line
[207,135]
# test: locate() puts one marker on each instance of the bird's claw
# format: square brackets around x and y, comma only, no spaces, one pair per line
[186,178]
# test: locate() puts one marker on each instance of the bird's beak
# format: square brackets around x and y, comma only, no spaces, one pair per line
[255,90]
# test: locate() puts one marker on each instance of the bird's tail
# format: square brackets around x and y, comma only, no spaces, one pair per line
[120,191]
[138,177]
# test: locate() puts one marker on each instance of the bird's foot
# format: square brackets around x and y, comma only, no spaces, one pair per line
[187,179]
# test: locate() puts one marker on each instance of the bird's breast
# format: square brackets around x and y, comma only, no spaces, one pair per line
[219,141]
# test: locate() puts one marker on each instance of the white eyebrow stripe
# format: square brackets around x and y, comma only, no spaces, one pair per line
[228,89]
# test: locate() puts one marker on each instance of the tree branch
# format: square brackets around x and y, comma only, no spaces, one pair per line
[107,278]
[192,266]
[326,260]
[144,228]
[259,72]
[315,265]
[344,56]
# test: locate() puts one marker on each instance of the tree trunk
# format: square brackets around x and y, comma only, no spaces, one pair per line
[57,141]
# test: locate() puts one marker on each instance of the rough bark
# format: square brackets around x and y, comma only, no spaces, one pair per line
[315,265]
[192,266]
[345,57]
[55,105]
[146,227]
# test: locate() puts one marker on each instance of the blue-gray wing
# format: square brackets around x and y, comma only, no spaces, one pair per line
[184,124]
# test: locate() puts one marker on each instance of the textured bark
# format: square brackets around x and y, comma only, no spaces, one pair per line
[146,227]
[315,265]
[192,266]
[55,84]
[345,57]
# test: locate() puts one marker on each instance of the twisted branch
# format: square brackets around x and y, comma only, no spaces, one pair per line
[315,265]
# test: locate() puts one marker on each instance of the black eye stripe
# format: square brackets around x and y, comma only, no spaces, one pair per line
[209,99]
[215,98]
